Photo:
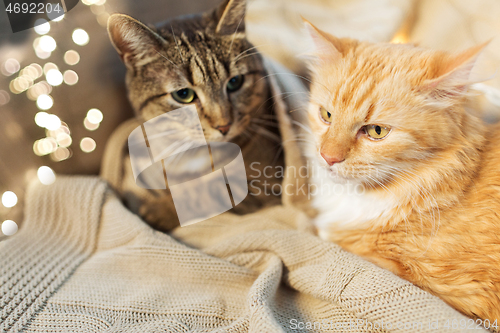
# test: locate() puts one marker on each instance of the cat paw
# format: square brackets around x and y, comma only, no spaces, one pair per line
[160,213]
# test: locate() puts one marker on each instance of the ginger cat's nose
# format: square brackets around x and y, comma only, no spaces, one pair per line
[224,129]
[331,160]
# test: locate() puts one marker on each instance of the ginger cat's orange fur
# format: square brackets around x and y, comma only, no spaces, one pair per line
[389,122]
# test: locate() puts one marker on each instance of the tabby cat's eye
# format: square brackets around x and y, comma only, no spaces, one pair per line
[377,132]
[235,83]
[325,115]
[184,96]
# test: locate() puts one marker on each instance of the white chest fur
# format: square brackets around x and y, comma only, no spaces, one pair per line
[347,206]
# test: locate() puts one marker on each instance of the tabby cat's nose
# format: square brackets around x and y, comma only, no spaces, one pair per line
[331,160]
[224,129]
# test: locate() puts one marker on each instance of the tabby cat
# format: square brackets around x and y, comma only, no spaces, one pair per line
[416,176]
[203,60]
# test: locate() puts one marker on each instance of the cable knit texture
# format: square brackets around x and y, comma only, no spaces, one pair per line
[83,262]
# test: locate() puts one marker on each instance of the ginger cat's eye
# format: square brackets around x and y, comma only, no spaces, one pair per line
[184,96]
[325,115]
[377,132]
[235,83]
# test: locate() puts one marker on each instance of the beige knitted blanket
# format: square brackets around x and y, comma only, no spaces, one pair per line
[82,262]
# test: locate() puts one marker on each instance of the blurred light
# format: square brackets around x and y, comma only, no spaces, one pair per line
[47,43]
[54,77]
[10,66]
[9,199]
[4,97]
[9,227]
[42,26]
[46,175]
[64,140]
[87,145]
[94,116]
[20,84]
[38,89]
[44,102]
[71,57]
[62,129]
[400,38]
[100,2]
[90,126]
[38,68]
[44,146]
[53,122]
[97,9]
[42,54]
[89,2]
[60,154]
[48,66]
[53,15]
[70,77]
[41,119]
[102,19]
[80,37]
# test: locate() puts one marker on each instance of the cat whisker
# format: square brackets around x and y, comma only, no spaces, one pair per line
[166,58]
[177,45]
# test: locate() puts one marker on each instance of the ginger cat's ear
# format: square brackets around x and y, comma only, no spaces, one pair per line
[453,79]
[326,46]
[133,40]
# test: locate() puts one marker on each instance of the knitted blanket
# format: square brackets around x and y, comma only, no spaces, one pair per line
[83,262]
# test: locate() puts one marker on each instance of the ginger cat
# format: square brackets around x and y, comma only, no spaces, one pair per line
[416,177]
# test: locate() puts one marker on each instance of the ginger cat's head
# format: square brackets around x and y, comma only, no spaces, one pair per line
[379,111]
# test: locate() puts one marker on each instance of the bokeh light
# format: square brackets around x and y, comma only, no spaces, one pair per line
[80,37]
[60,154]
[46,175]
[53,122]
[64,140]
[9,227]
[38,89]
[10,66]
[47,43]
[70,77]
[9,199]
[57,19]
[48,66]
[42,26]
[87,145]
[54,77]
[4,97]
[44,102]
[90,126]
[94,116]
[71,57]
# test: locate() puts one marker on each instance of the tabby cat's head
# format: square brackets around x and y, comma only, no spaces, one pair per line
[385,111]
[203,59]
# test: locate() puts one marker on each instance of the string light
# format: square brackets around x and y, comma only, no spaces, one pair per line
[42,26]
[9,199]
[70,77]
[54,77]
[46,175]
[80,37]
[4,97]
[90,126]
[71,57]
[44,102]
[47,44]
[87,145]
[57,19]
[94,116]
[10,66]
[9,227]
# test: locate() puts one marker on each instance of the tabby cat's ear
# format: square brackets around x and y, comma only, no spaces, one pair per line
[133,40]
[231,14]
[326,46]
[453,79]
